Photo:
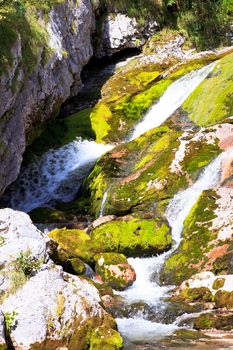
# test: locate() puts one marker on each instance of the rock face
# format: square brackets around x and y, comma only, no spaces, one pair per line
[118,31]
[30,99]
[42,304]
[34,100]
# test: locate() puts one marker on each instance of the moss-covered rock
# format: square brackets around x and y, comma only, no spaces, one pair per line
[218,283]
[214,321]
[130,236]
[75,243]
[191,255]
[133,236]
[224,299]
[142,175]
[201,294]
[105,339]
[76,266]
[211,102]
[114,270]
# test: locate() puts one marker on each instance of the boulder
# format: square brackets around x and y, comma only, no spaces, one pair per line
[114,270]
[44,307]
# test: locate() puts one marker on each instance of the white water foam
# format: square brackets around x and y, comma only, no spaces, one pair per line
[171,100]
[145,288]
[140,330]
[55,176]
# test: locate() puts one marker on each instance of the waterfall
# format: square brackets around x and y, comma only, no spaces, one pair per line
[145,289]
[171,100]
[102,206]
[56,175]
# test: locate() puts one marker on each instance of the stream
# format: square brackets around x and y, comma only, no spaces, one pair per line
[146,289]
[58,174]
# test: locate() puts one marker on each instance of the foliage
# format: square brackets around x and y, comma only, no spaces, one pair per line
[27,264]
[205,21]
[9,320]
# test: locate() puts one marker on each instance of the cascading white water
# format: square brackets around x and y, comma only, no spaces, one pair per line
[55,176]
[102,206]
[171,100]
[147,290]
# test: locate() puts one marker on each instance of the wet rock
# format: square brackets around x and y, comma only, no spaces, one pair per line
[214,321]
[114,270]
[202,294]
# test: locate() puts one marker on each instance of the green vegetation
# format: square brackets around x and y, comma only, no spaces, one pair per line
[27,264]
[190,256]
[9,320]
[211,102]
[20,17]
[205,22]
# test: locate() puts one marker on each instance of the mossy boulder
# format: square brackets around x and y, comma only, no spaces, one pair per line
[142,175]
[105,339]
[114,270]
[202,294]
[133,236]
[211,101]
[76,266]
[191,255]
[224,299]
[74,244]
[218,283]
[214,321]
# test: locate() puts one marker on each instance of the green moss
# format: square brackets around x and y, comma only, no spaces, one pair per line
[105,339]
[76,266]
[75,243]
[214,321]
[190,256]
[21,17]
[134,236]
[147,177]
[201,294]
[198,155]
[218,283]
[99,120]
[211,101]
